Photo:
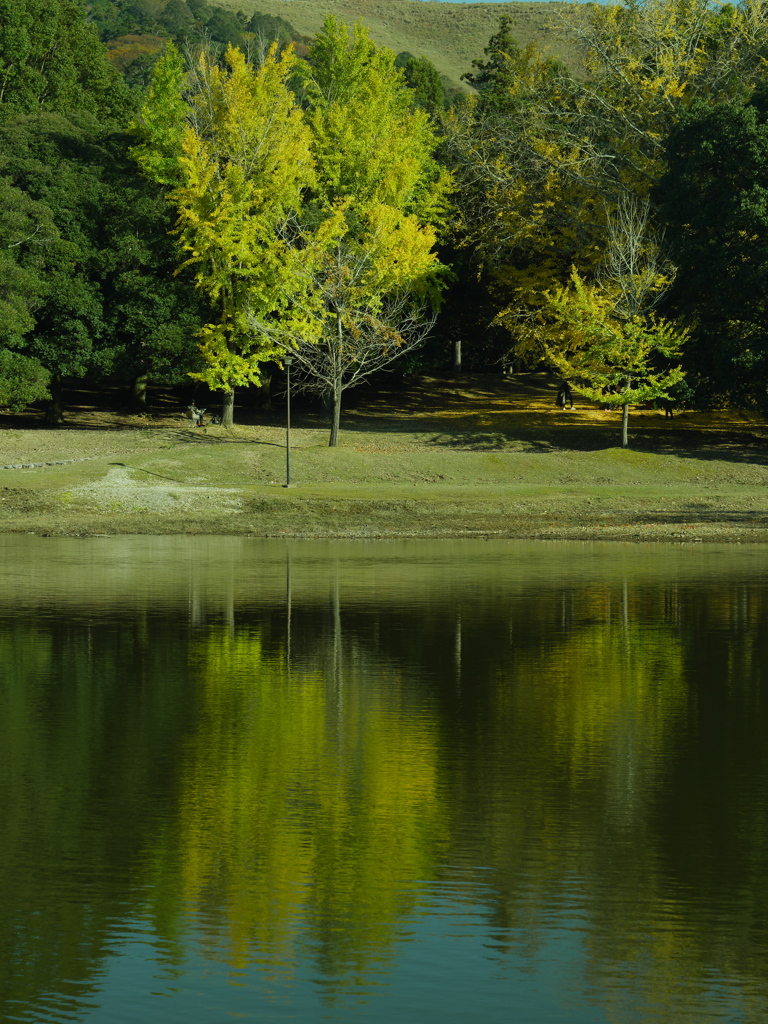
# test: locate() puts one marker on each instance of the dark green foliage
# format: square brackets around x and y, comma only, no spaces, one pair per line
[223,27]
[714,201]
[63,163]
[106,300]
[495,77]
[270,27]
[200,9]
[177,18]
[423,78]
[87,284]
[53,160]
[51,59]
[26,232]
[22,381]
[138,72]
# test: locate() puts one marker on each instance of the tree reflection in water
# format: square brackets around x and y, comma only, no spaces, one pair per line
[284,753]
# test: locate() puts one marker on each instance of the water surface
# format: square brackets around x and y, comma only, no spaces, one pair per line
[496,781]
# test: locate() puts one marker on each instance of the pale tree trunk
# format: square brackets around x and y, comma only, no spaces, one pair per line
[54,414]
[228,408]
[625,426]
[335,421]
[457,355]
[139,392]
[337,390]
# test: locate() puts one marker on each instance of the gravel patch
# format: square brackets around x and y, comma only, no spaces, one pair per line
[121,491]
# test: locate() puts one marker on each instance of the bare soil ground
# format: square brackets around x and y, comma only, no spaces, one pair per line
[450,35]
[444,456]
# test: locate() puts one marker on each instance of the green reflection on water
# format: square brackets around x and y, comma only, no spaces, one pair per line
[281,749]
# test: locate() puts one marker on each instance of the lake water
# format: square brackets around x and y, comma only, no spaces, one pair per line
[425,782]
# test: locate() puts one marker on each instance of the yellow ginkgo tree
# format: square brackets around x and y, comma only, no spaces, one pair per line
[243,164]
[365,273]
[608,341]
[613,361]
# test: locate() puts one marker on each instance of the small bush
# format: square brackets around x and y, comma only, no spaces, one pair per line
[22,381]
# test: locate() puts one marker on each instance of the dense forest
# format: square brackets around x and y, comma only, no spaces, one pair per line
[193,194]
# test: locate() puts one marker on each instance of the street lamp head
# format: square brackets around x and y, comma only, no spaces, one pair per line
[287,360]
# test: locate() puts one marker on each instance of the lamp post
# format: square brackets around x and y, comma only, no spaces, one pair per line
[287,360]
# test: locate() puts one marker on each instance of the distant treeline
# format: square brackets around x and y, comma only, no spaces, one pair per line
[136,30]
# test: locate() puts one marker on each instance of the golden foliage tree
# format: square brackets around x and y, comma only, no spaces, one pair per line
[242,165]
[365,260]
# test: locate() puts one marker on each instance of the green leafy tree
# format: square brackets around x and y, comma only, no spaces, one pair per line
[59,164]
[224,27]
[160,125]
[611,358]
[26,229]
[22,380]
[96,263]
[51,59]
[152,314]
[425,82]
[271,28]
[177,18]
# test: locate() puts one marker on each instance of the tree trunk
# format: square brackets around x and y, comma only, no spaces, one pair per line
[337,390]
[334,441]
[228,408]
[54,414]
[625,426]
[265,391]
[139,392]
[457,355]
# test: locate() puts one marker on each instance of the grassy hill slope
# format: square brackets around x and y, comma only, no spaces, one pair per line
[450,35]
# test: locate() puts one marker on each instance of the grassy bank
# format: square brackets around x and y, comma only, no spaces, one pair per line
[472,456]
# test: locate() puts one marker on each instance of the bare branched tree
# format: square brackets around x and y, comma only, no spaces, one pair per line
[635,270]
[345,331]
[614,348]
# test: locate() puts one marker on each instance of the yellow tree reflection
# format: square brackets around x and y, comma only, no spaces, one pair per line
[302,808]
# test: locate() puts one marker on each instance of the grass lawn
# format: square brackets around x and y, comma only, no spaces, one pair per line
[474,455]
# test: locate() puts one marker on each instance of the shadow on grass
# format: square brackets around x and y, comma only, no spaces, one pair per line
[682,517]
[472,412]
[199,437]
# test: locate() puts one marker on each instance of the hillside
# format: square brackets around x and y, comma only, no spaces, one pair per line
[450,35]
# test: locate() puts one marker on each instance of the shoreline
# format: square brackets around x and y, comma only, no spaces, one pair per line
[379,521]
